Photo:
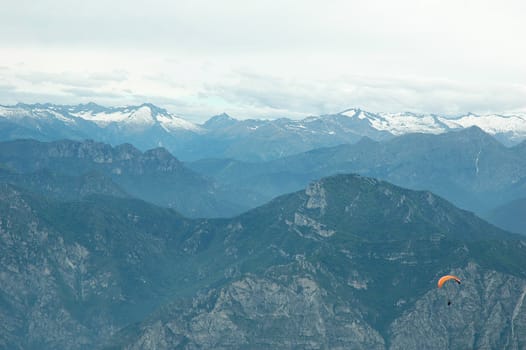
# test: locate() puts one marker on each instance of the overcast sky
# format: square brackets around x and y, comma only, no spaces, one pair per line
[272,58]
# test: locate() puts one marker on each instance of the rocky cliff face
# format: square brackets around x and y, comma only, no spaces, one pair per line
[283,311]
[73,274]
[38,268]
[253,313]
[488,312]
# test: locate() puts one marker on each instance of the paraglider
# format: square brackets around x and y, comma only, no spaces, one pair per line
[443,280]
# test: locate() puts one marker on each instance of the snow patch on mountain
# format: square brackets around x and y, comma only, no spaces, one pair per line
[143,116]
[492,124]
[139,116]
[103,119]
[170,123]
[13,112]
[398,123]
[38,113]
[56,115]
[404,123]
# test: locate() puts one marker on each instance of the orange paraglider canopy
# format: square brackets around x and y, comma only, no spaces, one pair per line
[445,278]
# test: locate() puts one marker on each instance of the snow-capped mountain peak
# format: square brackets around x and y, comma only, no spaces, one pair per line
[106,116]
[408,122]
[514,125]
[143,116]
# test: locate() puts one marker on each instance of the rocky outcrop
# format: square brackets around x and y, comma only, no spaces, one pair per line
[295,312]
[487,312]
[37,271]
[292,312]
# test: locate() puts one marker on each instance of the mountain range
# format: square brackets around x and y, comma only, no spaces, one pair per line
[132,228]
[147,126]
[71,169]
[468,167]
[348,262]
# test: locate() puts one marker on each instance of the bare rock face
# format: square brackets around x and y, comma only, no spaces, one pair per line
[60,289]
[487,312]
[317,196]
[33,279]
[263,313]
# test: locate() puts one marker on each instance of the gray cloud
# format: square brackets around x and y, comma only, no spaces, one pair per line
[272,58]
[249,93]
[373,94]
[63,78]
[405,27]
[91,93]
[12,96]
[113,76]
[75,79]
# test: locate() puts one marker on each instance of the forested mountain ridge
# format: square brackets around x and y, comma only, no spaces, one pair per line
[349,261]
